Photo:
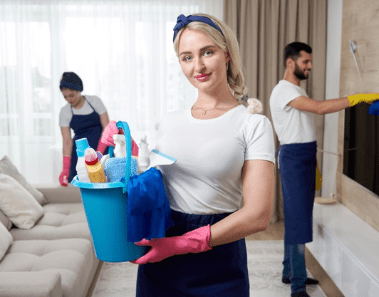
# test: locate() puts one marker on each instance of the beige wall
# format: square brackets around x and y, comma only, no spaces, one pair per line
[360,23]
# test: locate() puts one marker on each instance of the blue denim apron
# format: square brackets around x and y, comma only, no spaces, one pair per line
[298,175]
[221,271]
[84,126]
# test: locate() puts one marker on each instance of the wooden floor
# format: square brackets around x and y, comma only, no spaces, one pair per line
[276,232]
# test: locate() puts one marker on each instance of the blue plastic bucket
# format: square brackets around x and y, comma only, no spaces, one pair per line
[105,207]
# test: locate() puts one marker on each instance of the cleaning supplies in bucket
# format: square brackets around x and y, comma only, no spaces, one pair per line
[107,205]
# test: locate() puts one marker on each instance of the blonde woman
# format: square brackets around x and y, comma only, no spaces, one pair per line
[220,189]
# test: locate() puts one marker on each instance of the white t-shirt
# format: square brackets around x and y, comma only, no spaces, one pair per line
[207,176]
[65,114]
[291,125]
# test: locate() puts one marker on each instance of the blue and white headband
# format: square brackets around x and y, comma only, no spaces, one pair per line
[183,21]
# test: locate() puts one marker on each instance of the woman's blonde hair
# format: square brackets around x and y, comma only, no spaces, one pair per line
[229,44]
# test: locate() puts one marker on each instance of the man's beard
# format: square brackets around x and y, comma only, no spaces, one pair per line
[299,74]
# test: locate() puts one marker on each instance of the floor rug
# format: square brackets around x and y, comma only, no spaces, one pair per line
[264,263]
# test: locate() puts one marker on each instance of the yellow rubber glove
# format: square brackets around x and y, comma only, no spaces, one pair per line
[358,98]
[318,178]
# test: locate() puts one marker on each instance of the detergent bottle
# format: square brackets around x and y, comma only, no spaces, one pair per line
[144,155]
[95,170]
[81,169]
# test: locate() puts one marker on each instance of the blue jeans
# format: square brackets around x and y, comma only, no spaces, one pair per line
[294,266]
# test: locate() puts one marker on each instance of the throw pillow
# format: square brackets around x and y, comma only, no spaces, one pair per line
[18,204]
[5,220]
[7,167]
[6,240]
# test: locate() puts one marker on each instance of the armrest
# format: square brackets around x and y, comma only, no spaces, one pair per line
[31,284]
[55,193]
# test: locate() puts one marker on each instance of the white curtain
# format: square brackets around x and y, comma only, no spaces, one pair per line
[122,50]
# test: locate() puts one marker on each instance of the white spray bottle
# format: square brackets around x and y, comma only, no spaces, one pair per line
[143,155]
[120,146]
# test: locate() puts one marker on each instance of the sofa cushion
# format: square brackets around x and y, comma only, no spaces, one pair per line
[72,258]
[17,203]
[5,220]
[61,220]
[5,240]
[7,167]
[31,284]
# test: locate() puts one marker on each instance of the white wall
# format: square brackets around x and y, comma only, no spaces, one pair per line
[333,67]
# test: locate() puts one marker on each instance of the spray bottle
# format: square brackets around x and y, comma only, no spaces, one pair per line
[120,146]
[81,169]
[144,155]
[95,171]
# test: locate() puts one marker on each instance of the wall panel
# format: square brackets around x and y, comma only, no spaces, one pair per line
[361,24]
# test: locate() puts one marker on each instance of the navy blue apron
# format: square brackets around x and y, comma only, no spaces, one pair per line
[298,175]
[84,126]
[221,271]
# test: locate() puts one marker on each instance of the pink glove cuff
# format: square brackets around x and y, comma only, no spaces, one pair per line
[66,163]
[198,239]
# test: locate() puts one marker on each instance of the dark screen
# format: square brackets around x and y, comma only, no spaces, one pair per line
[361,147]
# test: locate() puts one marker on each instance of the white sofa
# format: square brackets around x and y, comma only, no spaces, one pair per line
[53,258]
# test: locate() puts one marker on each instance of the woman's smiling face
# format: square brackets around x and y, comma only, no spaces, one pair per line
[202,61]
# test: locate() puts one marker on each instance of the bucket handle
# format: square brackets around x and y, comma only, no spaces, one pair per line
[128,142]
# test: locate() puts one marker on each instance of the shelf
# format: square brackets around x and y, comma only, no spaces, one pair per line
[347,248]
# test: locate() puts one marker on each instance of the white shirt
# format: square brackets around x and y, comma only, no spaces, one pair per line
[65,114]
[207,177]
[291,125]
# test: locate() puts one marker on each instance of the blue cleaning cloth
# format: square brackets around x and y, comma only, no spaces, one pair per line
[374,108]
[115,168]
[148,209]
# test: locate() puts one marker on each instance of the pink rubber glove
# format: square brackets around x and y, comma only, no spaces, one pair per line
[107,138]
[101,147]
[195,241]
[110,130]
[65,172]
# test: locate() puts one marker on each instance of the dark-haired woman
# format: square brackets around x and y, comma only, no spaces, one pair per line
[86,116]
